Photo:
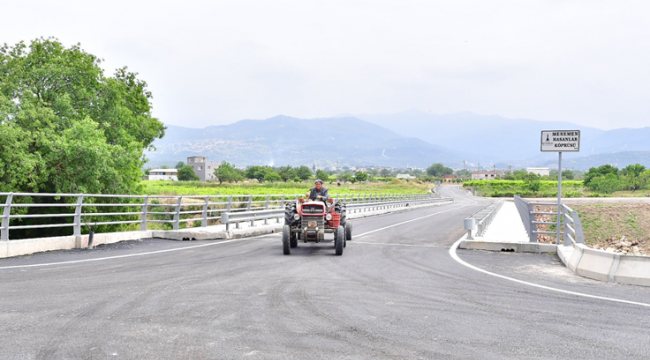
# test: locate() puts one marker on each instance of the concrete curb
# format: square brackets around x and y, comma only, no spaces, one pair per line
[606,266]
[527,247]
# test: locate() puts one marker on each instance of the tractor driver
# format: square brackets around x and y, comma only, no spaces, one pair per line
[319,192]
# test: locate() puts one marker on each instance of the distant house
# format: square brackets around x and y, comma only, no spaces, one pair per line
[541,171]
[487,175]
[405,176]
[163,174]
[448,178]
[202,168]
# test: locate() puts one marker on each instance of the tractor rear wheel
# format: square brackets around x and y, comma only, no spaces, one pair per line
[286,234]
[340,208]
[289,213]
[339,243]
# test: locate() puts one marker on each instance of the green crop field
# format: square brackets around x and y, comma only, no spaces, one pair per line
[288,188]
[509,188]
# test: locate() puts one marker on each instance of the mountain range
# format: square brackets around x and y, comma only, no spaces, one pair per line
[413,138]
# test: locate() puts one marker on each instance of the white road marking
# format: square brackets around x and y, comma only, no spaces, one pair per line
[130,255]
[408,221]
[452,253]
[395,244]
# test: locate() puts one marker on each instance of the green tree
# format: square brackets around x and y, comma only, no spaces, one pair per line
[179,165]
[186,173]
[256,172]
[67,128]
[320,174]
[605,184]
[228,173]
[602,170]
[286,173]
[271,176]
[438,170]
[568,174]
[631,177]
[385,172]
[345,176]
[361,176]
[303,173]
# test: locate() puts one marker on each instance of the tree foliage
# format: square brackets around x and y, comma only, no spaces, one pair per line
[303,173]
[361,176]
[602,170]
[320,174]
[67,128]
[228,173]
[186,173]
[439,170]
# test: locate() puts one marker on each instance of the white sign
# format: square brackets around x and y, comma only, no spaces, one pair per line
[561,140]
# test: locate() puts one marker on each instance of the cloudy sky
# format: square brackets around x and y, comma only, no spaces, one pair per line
[216,62]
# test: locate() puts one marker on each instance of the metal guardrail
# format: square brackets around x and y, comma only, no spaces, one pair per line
[228,218]
[77,210]
[482,219]
[568,222]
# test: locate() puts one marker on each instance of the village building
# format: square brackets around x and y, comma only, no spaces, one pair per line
[163,174]
[202,168]
[541,171]
[487,175]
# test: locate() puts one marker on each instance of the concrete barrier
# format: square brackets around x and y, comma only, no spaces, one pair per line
[634,270]
[595,264]
[30,246]
[111,238]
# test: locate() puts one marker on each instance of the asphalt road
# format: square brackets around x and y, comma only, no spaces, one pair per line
[396,293]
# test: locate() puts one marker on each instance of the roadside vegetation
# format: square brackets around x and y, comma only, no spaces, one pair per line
[254,187]
[603,181]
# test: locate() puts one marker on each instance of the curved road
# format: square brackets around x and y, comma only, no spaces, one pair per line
[396,293]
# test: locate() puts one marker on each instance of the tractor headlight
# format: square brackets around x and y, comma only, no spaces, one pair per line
[296,216]
[328,217]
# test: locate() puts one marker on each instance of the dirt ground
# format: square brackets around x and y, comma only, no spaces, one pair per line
[622,228]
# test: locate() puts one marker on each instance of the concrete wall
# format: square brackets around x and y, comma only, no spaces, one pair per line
[30,246]
[606,266]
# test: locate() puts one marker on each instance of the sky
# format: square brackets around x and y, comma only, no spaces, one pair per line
[217,62]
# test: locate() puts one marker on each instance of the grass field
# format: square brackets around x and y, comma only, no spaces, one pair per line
[289,188]
[509,188]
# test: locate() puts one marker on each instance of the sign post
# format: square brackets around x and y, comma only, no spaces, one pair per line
[560,141]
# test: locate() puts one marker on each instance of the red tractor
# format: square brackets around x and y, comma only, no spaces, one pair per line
[308,220]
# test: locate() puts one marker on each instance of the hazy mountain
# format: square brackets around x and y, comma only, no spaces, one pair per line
[283,140]
[492,138]
[618,159]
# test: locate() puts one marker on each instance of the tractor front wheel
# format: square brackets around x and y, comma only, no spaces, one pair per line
[339,243]
[286,239]
[348,231]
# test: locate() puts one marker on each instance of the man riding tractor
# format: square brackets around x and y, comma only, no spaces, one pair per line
[310,218]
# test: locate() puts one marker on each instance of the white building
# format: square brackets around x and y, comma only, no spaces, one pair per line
[405,176]
[163,174]
[202,168]
[487,175]
[541,171]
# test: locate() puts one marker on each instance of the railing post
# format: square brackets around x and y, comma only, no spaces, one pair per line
[204,220]
[531,227]
[229,205]
[266,204]
[282,202]
[250,201]
[577,225]
[4,232]
[177,215]
[145,210]
[77,216]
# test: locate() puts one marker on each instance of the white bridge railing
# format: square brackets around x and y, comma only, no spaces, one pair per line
[78,213]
